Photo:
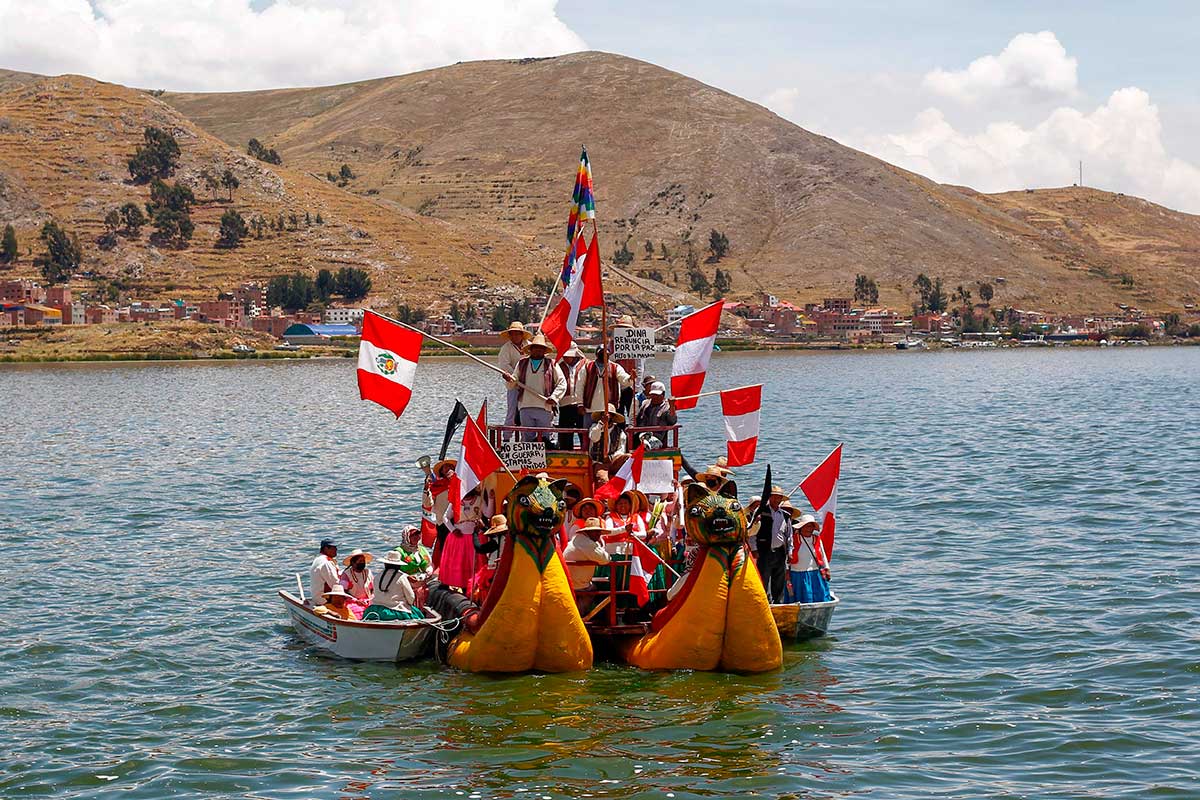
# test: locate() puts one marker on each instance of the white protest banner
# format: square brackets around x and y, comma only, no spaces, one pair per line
[657,476]
[523,455]
[633,343]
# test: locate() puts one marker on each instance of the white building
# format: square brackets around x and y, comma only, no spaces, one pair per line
[343,316]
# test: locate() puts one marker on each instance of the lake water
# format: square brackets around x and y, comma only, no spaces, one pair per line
[1016,555]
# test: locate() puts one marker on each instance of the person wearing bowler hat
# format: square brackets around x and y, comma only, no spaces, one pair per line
[573,367]
[510,353]
[323,575]
[337,604]
[540,385]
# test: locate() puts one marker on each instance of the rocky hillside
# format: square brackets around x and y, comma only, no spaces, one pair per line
[64,147]
[497,141]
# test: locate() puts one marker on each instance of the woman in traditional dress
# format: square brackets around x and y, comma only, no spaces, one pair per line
[808,566]
[488,545]
[395,599]
[456,566]
[358,581]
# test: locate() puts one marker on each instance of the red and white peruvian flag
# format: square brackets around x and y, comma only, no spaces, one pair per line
[820,487]
[627,477]
[697,334]
[387,362]
[476,461]
[583,292]
[642,563]
[741,408]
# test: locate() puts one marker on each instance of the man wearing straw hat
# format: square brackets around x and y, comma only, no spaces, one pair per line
[772,551]
[540,385]
[584,553]
[573,367]
[510,353]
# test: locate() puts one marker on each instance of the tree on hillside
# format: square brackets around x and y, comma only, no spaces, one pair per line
[346,174]
[326,285]
[233,229]
[291,292]
[133,220]
[156,157]
[666,254]
[649,247]
[698,282]
[170,210]
[211,182]
[408,315]
[255,148]
[499,318]
[962,295]
[933,296]
[353,284]
[8,246]
[722,283]
[624,256]
[986,293]
[62,254]
[718,245]
[230,182]
[112,224]
[1172,324]
[865,290]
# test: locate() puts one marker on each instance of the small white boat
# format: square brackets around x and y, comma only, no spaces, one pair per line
[802,621]
[362,641]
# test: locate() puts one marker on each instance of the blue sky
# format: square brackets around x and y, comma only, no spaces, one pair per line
[997,95]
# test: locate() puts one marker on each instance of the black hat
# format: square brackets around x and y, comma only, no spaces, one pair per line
[328,543]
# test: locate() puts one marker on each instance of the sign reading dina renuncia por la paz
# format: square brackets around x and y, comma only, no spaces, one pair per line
[633,343]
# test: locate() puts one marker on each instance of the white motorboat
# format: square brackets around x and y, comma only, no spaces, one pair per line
[402,640]
[801,621]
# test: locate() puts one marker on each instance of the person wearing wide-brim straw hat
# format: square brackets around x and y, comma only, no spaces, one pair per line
[573,367]
[618,440]
[396,599]
[336,603]
[540,385]
[488,544]
[584,552]
[510,353]
[629,514]
[808,565]
[357,578]
[715,476]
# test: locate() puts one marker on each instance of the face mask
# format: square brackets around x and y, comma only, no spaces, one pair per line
[358,566]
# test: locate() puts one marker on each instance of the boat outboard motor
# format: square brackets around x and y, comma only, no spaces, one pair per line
[451,605]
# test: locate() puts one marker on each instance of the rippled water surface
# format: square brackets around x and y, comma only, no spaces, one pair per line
[1017,560]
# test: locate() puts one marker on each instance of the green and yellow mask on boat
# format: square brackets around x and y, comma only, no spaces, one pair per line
[714,518]
[536,510]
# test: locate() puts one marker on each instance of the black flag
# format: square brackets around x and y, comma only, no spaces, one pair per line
[456,418]
[764,515]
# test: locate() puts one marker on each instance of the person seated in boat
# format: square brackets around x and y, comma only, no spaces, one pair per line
[323,575]
[599,478]
[357,579]
[584,553]
[415,554]
[808,566]
[629,514]
[578,513]
[395,599]
[337,604]
[657,413]
[618,440]
[488,546]
[457,564]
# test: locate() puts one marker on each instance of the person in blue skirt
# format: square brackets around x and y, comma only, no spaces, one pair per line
[808,566]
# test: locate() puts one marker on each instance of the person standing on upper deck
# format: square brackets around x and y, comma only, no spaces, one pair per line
[624,401]
[510,353]
[593,390]
[657,413]
[573,367]
[540,385]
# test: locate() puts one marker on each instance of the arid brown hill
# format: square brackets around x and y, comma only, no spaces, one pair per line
[64,147]
[673,158]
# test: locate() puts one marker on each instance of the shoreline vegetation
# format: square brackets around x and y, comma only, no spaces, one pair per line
[347,349]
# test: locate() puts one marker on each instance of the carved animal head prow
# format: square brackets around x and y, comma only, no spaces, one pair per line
[536,508]
[714,518]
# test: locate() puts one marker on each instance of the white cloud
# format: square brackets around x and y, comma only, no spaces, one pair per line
[1032,64]
[1120,144]
[228,44]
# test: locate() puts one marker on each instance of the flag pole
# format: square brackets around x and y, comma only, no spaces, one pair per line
[493,449]
[444,343]
[715,392]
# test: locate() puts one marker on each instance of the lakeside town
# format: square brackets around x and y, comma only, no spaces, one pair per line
[768,322]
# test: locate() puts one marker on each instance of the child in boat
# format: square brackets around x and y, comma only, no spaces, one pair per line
[357,580]
[488,545]
[337,604]
[808,566]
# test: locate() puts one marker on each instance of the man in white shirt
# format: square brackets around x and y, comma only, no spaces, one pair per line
[323,575]
[510,353]
[538,377]
[584,553]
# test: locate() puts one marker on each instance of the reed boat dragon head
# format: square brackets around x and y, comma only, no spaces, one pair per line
[536,509]
[714,518]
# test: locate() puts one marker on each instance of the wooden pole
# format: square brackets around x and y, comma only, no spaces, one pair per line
[715,392]
[607,355]
[471,356]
